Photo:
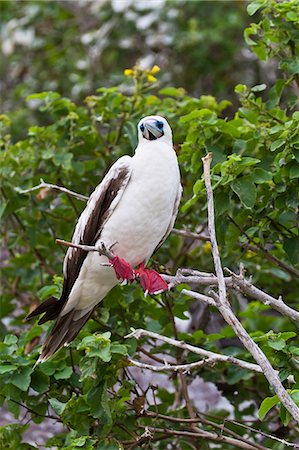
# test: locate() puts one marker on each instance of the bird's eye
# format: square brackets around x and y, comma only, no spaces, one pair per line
[142,128]
[160,124]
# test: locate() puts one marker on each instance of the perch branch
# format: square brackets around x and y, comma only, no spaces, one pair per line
[100,248]
[226,310]
[199,351]
[42,185]
[237,282]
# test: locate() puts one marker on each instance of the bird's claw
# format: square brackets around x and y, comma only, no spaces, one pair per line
[123,270]
[151,281]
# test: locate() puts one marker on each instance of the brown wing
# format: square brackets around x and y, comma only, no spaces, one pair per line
[99,207]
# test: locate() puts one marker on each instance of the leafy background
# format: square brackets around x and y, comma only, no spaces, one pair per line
[69,111]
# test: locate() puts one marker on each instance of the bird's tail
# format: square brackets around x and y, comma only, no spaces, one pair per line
[52,307]
[64,331]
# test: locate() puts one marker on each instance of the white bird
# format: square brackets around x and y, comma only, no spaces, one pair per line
[134,207]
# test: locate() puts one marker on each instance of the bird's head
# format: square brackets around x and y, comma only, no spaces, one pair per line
[152,128]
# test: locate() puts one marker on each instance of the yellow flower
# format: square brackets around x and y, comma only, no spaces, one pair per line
[151,79]
[128,72]
[155,69]
[207,247]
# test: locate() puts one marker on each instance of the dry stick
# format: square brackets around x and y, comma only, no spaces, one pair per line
[204,434]
[53,186]
[252,291]
[227,313]
[235,281]
[190,234]
[207,422]
[100,248]
[173,367]
[217,357]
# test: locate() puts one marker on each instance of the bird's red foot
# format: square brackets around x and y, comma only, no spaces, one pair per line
[123,270]
[151,281]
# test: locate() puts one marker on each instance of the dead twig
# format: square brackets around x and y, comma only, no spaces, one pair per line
[199,351]
[44,185]
[100,248]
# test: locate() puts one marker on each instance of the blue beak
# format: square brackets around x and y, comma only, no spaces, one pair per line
[151,130]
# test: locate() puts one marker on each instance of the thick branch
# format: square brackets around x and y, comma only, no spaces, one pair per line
[53,186]
[227,313]
[199,351]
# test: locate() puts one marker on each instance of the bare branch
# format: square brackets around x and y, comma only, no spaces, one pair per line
[221,427]
[199,351]
[172,367]
[226,310]
[100,248]
[237,282]
[42,185]
[199,433]
[252,291]
[190,234]
[199,296]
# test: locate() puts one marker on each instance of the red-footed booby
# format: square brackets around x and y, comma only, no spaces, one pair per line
[133,209]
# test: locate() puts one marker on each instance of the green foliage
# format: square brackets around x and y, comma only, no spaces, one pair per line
[88,386]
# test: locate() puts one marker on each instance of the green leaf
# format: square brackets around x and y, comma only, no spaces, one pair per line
[57,406]
[284,415]
[22,379]
[277,144]
[259,87]
[6,368]
[245,190]
[253,7]
[276,343]
[261,176]
[293,349]
[240,88]
[63,159]
[10,339]
[98,400]
[119,349]
[294,170]
[39,381]
[291,247]
[48,291]
[173,92]
[260,50]
[64,374]
[3,205]
[267,404]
